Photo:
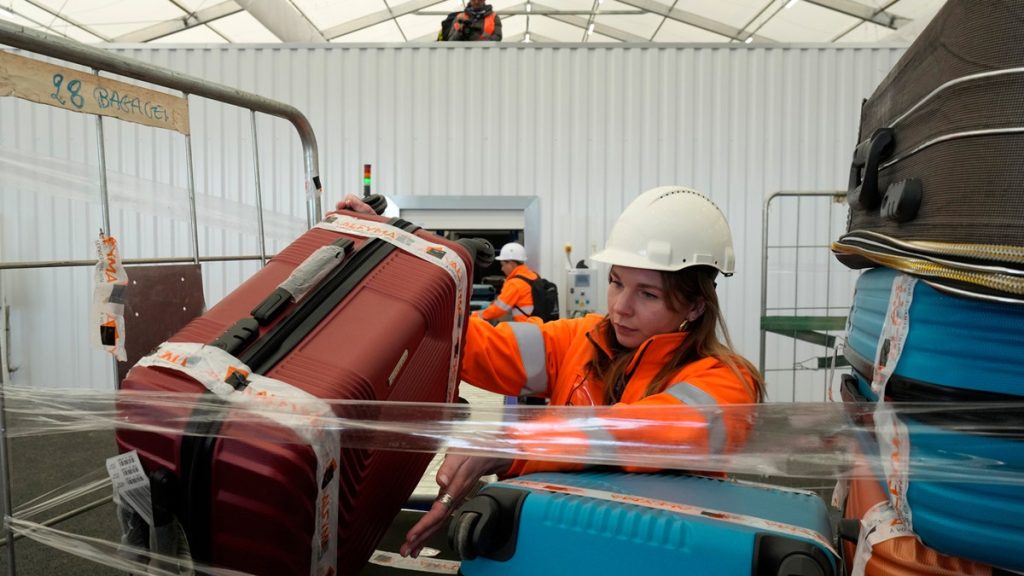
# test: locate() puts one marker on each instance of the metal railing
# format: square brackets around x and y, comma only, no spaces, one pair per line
[813,329]
[100,60]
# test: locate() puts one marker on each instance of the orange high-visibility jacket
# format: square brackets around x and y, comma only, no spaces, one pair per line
[549,359]
[485,27]
[515,298]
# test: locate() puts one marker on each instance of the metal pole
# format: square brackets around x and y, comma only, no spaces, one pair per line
[259,194]
[101,154]
[5,464]
[796,293]
[192,217]
[28,264]
[101,157]
[828,306]
[764,274]
[65,516]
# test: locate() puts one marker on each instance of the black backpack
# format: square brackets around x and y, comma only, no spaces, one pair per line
[446,26]
[545,298]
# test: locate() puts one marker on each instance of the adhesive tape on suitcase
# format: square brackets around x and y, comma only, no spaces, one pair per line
[286,405]
[895,328]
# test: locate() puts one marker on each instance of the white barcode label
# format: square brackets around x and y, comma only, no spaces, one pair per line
[131,485]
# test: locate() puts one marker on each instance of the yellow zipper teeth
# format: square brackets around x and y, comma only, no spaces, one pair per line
[995,281]
[1003,253]
[992,252]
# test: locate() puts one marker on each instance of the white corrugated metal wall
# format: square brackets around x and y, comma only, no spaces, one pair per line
[585,128]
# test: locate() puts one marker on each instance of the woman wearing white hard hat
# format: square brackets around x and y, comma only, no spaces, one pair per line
[662,343]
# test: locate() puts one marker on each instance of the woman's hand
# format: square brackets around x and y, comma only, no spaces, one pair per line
[456,477]
[355,204]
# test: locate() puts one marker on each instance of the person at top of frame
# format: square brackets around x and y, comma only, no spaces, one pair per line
[477,22]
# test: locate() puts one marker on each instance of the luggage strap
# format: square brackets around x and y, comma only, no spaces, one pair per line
[892,433]
[285,405]
[687,509]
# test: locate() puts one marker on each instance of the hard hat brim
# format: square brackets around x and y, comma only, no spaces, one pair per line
[629,260]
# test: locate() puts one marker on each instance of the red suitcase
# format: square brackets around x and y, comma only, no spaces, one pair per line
[385,324]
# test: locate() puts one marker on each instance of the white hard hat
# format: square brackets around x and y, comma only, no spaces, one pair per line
[670,228]
[512,251]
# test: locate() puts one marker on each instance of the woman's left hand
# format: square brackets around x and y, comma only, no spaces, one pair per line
[456,477]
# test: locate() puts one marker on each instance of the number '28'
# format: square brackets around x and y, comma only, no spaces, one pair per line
[73,87]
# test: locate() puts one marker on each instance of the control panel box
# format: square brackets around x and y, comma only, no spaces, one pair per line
[580,298]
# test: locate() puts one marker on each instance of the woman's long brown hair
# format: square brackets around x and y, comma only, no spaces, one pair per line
[708,336]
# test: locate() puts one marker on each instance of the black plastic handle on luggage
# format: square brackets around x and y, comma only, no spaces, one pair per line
[279,341]
[480,251]
[777,555]
[863,189]
[488,525]
[238,336]
[273,304]
[902,200]
[377,202]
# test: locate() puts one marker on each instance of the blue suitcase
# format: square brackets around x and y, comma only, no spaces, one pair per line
[617,523]
[957,343]
[483,295]
[970,516]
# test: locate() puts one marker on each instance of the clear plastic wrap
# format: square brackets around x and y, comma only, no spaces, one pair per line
[812,440]
[806,440]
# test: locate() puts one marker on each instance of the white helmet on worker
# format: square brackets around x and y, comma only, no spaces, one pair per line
[512,251]
[670,228]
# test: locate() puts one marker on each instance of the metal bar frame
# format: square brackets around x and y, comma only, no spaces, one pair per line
[835,194]
[100,60]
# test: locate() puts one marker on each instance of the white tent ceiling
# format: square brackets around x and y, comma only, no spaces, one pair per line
[362,21]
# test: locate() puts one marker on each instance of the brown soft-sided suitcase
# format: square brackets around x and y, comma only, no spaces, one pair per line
[937,183]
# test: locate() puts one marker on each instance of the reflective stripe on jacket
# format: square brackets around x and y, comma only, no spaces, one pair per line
[549,359]
[515,300]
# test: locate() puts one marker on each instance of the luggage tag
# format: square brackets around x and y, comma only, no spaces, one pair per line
[840,492]
[421,564]
[880,523]
[131,485]
[109,284]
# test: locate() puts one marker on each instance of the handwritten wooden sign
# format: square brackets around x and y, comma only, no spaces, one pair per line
[80,91]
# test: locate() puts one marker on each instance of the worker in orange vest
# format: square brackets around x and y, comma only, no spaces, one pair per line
[515,302]
[663,343]
[477,22]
